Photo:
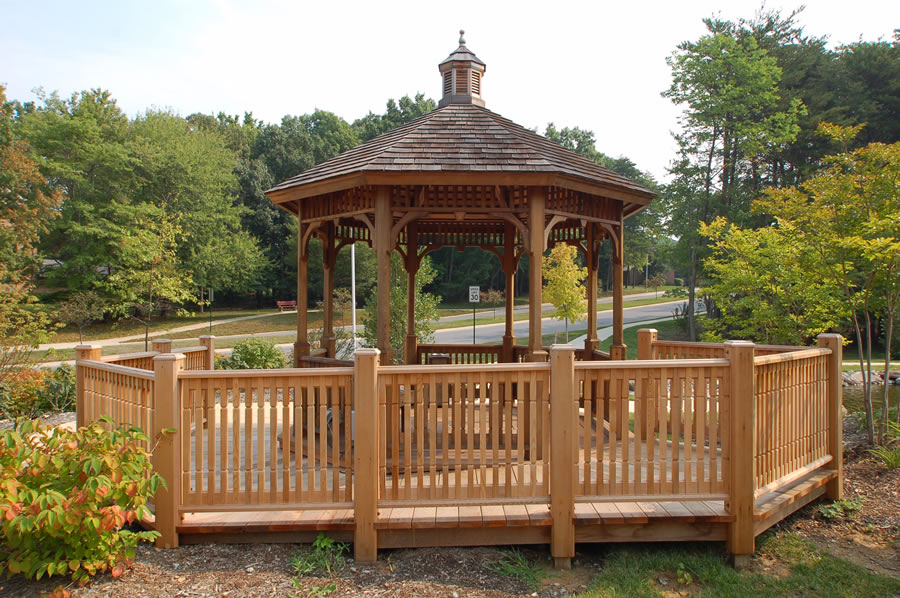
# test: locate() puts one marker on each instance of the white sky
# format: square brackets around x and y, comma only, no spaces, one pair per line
[596,65]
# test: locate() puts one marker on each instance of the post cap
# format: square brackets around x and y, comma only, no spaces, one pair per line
[168,357]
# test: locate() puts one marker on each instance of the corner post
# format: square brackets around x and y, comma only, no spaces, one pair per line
[591,343]
[210,358]
[509,264]
[537,199]
[646,339]
[618,350]
[563,431]
[384,245]
[161,345]
[411,344]
[834,393]
[365,455]
[167,456]
[741,451]
[82,353]
[301,347]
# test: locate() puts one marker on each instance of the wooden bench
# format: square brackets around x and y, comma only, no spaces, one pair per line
[283,305]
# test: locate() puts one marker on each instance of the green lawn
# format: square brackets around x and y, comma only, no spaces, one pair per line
[129,327]
[668,330]
[684,569]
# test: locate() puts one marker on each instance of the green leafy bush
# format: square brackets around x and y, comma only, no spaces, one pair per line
[65,498]
[28,393]
[58,391]
[323,556]
[254,354]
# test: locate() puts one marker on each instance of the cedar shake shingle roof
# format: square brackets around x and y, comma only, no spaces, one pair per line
[462,138]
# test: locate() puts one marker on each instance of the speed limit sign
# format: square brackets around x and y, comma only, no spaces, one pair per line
[474,295]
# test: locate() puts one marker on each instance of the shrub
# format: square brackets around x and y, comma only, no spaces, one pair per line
[58,391]
[678,282]
[65,497]
[28,393]
[19,393]
[254,354]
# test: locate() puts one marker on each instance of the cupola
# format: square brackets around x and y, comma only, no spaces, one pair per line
[461,74]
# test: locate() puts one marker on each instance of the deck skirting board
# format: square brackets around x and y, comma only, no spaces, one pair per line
[473,536]
[660,531]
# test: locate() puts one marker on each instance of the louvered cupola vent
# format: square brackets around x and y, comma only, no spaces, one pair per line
[461,73]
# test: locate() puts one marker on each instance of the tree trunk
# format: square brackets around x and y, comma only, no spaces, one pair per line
[692,294]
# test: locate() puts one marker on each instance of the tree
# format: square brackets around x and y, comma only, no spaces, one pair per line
[847,218]
[81,309]
[564,288]
[27,204]
[426,308]
[656,280]
[148,276]
[728,86]
[768,288]
[493,298]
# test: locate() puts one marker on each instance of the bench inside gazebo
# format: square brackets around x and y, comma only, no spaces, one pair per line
[506,444]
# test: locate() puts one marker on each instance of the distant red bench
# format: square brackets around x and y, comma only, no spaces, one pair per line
[283,305]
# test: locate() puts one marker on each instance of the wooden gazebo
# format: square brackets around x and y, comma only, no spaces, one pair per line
[460,176]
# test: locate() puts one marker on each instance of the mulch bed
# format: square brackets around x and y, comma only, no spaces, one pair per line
[870,539]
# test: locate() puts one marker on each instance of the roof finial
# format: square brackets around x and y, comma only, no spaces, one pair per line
[462,40]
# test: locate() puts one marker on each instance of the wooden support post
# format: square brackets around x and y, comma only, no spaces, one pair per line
[741,451]
[167,455]
[329,258]
[563,436]
[509,271]
[537,198]
[383,247]
[82,353]
[210,343]
[618,350]
[301,347]
[365,455]
[412,268]
[591,343]
[161,345]
[835,390]
[646,339]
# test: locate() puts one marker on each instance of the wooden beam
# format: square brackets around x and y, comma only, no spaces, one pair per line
[412,267]
[329,258]
[592,261]
[537,199]
[383,248]
[365,455]
[301,347]
[618,349]
[835,389]
[509,262]
[563,438]
[741,449]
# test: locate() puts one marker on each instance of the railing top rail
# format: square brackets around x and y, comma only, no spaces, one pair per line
[791,356]
[190,349]
[687,343]
[279,373]
[464,368]
[651,363]
[121,356]
[115,368]
[782,348]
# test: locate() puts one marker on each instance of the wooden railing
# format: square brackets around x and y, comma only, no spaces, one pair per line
[124,394]
[664,349]
[252,438]
[791,415]
[732,428]
[461,354]
[668,438]
[471,433]
[309,361]
[201,357]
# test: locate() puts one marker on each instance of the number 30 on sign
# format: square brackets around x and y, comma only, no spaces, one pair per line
[474,295]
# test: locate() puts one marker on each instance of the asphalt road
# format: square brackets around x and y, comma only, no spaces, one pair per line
[486,333]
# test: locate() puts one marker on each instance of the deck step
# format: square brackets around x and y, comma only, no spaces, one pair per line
[630,513]
[466,516]
[267,521]
[783,501]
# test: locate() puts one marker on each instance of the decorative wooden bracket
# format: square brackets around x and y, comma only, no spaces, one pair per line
[553,222]
[304,242]
[365,219]
[523,230]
